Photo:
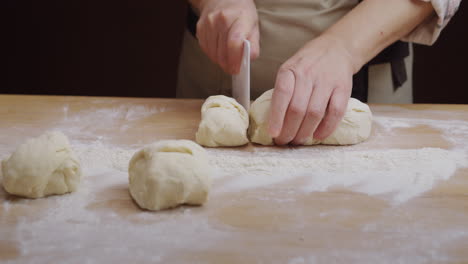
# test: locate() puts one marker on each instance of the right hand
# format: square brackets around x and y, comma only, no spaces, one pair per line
[221,29]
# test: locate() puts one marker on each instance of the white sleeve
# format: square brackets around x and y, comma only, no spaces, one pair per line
[429,30]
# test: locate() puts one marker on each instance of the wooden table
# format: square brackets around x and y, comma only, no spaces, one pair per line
[274,223]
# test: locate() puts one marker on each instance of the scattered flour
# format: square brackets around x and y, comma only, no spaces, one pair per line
[452,130]
[400,173]
[395,175]
[99,156]
[87,124]
[109,115]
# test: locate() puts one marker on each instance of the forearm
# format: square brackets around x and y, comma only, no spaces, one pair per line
[375,24]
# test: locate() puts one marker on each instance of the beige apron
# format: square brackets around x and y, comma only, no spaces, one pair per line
[285,26]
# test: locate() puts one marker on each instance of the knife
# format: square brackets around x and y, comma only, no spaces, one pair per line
[241,81]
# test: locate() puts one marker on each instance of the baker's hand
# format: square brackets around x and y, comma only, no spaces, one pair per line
[223,26]
[311,92]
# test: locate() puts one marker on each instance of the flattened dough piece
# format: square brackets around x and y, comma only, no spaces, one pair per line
[168,173]
[355,127]
[42,166]
[224,122]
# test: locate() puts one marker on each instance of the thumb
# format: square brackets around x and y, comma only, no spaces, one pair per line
[254,39]
[239,31]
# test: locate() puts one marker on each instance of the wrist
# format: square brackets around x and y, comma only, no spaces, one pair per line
[346,48]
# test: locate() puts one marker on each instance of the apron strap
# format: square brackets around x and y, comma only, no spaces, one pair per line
[393,54]
[360,84]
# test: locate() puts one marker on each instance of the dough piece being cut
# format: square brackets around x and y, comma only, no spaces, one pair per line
[224,122]
[168,173]
[42,166]
[355,127]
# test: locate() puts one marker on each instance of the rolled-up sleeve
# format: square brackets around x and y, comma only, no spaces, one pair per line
[429,30]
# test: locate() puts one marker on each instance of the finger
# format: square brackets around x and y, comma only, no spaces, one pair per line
[315,112]
[223,29]
[296,110]
[282,94]
[212,38]
[254,39]
[201,36]
[237,33]
[334,114]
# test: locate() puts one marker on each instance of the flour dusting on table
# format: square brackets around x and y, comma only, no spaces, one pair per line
[402,174]
[79,224]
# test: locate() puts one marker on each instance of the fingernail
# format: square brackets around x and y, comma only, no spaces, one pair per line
[298,142]
[233,71]
[318,136]
[276,142]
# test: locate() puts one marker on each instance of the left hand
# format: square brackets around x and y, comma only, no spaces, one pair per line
[311,92]
[222,28]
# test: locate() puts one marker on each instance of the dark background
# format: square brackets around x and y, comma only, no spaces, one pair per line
[131,48]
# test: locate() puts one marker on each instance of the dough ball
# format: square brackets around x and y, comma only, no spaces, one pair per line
[42,166]
[169,173]
[259,114]
[354,128]
[224,122]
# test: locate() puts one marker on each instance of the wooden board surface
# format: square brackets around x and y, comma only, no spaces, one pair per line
[261,219]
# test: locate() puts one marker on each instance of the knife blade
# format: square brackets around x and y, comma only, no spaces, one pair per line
[241,81]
